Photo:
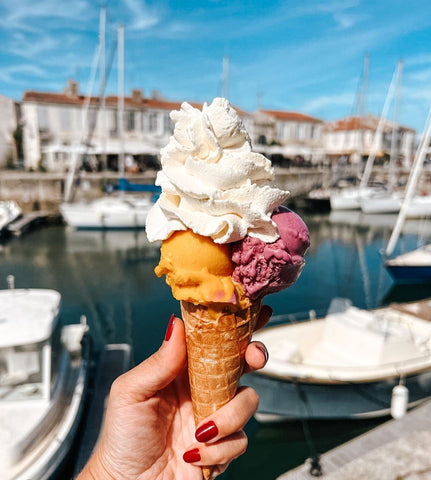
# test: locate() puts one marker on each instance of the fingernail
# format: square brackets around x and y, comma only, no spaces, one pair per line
[206,432]
[264,351]
[192,456]
[170,328]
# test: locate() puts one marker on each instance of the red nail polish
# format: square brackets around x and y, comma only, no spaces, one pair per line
[264,351]
[170,328]
[206,432]
[192,456]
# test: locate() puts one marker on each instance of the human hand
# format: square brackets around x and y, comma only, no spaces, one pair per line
[149,424]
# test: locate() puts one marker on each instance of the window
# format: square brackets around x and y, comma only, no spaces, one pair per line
[167,123]
[65,118]
[280,130]
[152,122]
[130,121]
[42,117]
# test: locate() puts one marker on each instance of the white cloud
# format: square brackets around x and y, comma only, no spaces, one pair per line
[319,104]
[9,74]
[21,15]
[142,17]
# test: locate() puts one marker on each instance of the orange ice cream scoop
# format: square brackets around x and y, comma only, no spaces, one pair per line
[197,269]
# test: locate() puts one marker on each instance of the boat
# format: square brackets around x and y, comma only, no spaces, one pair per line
[9,212]
[108,212]
[350,198]
[413,266]
[43,378]
[420,206]
[317,200]
[354,198]
[121,211]
[350,363]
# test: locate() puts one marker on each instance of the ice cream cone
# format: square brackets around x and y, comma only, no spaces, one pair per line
[216,345]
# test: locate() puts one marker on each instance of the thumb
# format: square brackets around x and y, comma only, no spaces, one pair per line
[159,370]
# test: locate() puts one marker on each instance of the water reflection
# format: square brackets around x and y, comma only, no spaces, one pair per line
[109,276]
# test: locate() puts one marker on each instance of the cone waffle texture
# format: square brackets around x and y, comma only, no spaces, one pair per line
[216,345]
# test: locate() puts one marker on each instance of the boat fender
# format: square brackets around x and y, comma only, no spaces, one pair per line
[399,401]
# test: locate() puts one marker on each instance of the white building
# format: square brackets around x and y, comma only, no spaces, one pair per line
[291,135]
[55,125]
[353,138]
[8,124]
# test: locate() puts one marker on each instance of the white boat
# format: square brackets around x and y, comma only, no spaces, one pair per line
[411,267]
[420,206]
[108,212]
[351,198]
[414,266]
[9,212]
[112,212]
[43,372]
[348,364]
[345,199]
[381,202]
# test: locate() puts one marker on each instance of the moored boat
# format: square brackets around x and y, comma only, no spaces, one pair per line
[110,212]
[43,377]
[348,364]
[411,267]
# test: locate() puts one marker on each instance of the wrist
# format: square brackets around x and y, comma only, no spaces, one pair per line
[95,469]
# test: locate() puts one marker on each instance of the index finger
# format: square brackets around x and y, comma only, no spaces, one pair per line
[264,316]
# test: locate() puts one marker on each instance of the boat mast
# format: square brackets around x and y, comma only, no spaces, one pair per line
[378,132]
[411,184]
[395,129]
[102,42]
[79,143]
[120,109]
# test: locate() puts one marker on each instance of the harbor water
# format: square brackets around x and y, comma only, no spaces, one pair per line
[108,276]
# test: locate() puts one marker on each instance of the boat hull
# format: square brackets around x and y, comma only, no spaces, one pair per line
[114,214]
[294,399]
[382,204]
[410,274]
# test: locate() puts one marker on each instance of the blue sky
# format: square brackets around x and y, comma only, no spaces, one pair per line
[305,56]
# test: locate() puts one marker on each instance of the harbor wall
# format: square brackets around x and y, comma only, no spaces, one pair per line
[45,191]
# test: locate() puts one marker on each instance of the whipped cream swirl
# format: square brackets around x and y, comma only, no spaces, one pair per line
[212,183]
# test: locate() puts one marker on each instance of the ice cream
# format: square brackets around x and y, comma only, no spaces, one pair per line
[264,268]
[204,276]
[218,217]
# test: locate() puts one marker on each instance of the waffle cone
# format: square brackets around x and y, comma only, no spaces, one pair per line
[216,345]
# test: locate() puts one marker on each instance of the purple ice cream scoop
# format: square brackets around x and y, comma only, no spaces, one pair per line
[264,268]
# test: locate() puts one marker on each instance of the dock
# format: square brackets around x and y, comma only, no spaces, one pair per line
[396,450]
[29,220]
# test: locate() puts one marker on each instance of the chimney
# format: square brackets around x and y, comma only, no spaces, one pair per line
[72,89]
[156,95]
[137,95]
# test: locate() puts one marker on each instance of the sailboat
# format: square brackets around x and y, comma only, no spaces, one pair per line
[414,266]
[388,200]
[114,211]
[351,198]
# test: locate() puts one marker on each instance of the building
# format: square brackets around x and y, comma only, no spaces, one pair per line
[288,137]
[57,124]
[8,132]
[353,139]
